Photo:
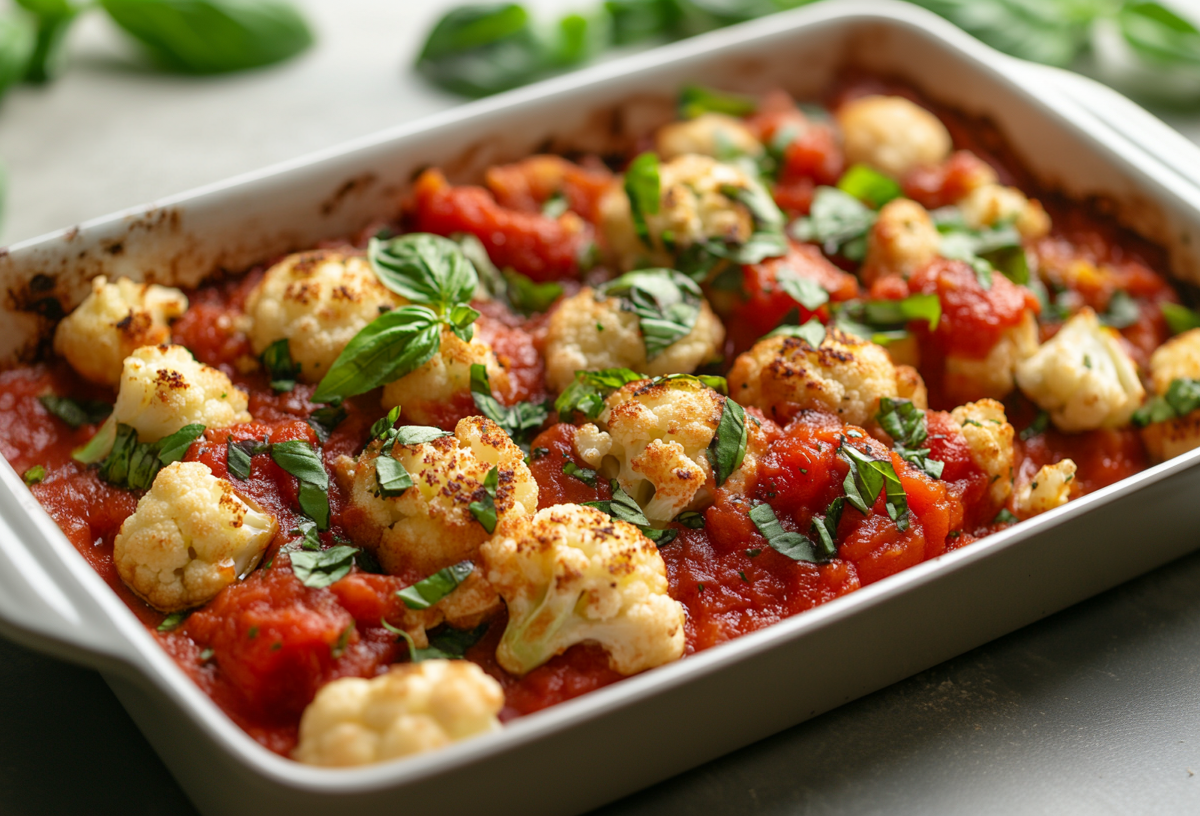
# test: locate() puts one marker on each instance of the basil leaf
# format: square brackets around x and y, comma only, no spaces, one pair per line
[381,427]
[306,528]
[837,221]
[482,49]
[366,561]
[1005,516]
[394,344]
[174,447]
[987,249]
[623,508]
[76,413]
[812,332]
[35,475]
[905,424]
[1053,32]
[320,569]
[867,478]
[325,420]
[758,201]
[869,186]
[728,447]
[99,446]
[1179,318]
[408,435]
[1122,311]
[1182,397]
[761,244]
[695,100]
[425,269]
[314,501]
[666,302]
[805,291]
[425,593]
[637,20]
[213,36]
[585,475]
[391,475]
[520,421]
[825,529]
[1039,425]
[586,395]
[1159,35]
[484,508]
[277,360]
[299,458]
[691,519]
[237,459]
[528,297]
[445,643]
[886,315]
[718,384]
[28,51]
[174,620]
[643,187]
[795,546]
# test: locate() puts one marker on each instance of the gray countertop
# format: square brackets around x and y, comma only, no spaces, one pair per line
[1093,710]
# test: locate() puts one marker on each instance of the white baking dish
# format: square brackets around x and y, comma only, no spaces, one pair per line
[1069,131]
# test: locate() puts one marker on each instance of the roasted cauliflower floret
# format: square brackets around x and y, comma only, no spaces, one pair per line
[1083,377]
[1050,488]
[444,379]
[572,574]
[892,134]
[1176,359]
[992,204]
[164,388]
[190,537]
[318,301]
[902,240]
[112,321]
[588,332]
[414,707]
[845,375]
[693,207]
[430,526]
[709,134]
[653,438]
[992,376]
[990,438]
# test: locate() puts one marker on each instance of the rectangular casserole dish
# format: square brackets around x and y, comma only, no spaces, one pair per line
[1072,135]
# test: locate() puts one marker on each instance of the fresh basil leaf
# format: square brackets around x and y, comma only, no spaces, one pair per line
[812,332]
[1122,311]
[1159,35]
[408,435]
[1047,31]
[577,38]
[825,529]
[1179,318]
[886,315]
[237,459]
[130,463]
[869,186]
[213,36]
[666,303]
[1039,425]
[425,593]
[33,48]
[637,20]
[795,546]
[1182,397]
[643,188]
[277,360]
[520,421]
[425,269]
[987,249]
[761,245]
[299,458]
[728,447]
[35,475]
[174,447]
[691,519]
[867,478]
[310,539]
[325,420]
[99,446]
[394,344]
[805,291]
[391,475]
[623,508]
[174,620]
[586,394]
[482,49]
[718,384]
[763,209]
[585,475]
[528,297]
[695,100]
[484,508]
[837,221]
[76,413]
[445,643]
[1005,516]
[320,569]
[366,561]
[314,501]
[905,424]
[381,427]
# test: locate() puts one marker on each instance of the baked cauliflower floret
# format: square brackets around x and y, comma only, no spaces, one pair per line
[1176,359]
[112,321]
[892,134]
[1050,488]
[164,388]
[572,574]
[190,537]
[902,240]
[588,332]
[444,379]
[845,375]
[653,438]
[430,525]
[709,134]
[318,301]
[990,438]
[1083,377]
[414,707]
[992,376]
[693,207]
[992,204]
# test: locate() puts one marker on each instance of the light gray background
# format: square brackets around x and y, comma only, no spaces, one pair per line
[1094,710]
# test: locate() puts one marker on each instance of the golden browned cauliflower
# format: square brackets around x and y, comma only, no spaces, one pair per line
[1083,377]
[892,134]
[1050,488]
[164,388]
[588,332]
[990,438]
[1176,359]
[845,375]
[318,301]
[693,207]
[190,537]
[430,526]
[992,376]
[444,379]
[413,708]
[902,240]
[992,204]
[112,321]
[572,574]
[709,134]
[653,438]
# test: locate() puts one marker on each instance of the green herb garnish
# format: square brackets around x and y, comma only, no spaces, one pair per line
[324,567]
[484,508]
[425,593]
[76,413]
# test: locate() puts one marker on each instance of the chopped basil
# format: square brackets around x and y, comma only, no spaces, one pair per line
[1005,516]
[869,186]
[484,508]
[299,458]
[666,302]
[812,332]
[755,198]
[691,519]
[643,187]
[867,478]
[381,427]
[825,529]
[905,424]
[1179,318]
[34,475]
[322,568]
[728,447]
[324,420]
[585,475]
[528,297]
[408,435]
[237,459]
[1182,397]
[718,384]
[1039,425]
[586,395]
[310,538]
[366,561]
[277,360]
[882,321]
[1122,311]
[76,413]
[337,649]
[520,421]
[130,463]
[391,475]
[207,655]
[805,291]
[795,546]
[695,100]
[623,508]
[174,447]
[837,221]
[394,344]
[425,593]
[987,249]
[425,269]
[445,643]
[174,620]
